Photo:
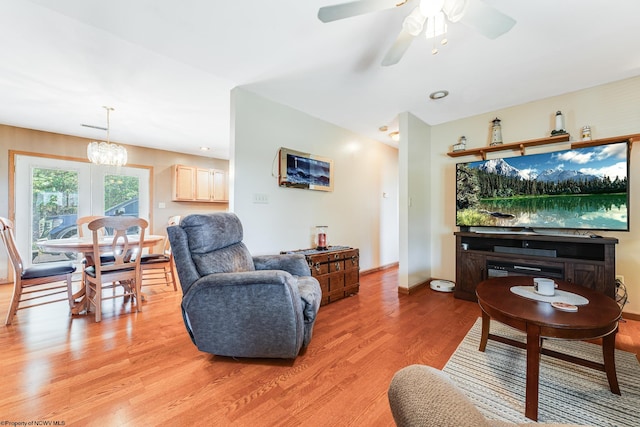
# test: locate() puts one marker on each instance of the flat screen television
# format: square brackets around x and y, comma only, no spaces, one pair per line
[304,170]
[577,189]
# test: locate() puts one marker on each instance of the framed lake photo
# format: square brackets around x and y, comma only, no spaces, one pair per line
[304,170]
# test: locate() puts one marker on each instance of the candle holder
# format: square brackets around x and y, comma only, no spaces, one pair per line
[321,237]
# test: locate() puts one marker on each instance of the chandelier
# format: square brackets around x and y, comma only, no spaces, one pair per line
[106,153]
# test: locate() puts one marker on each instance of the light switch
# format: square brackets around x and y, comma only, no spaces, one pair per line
[261,198]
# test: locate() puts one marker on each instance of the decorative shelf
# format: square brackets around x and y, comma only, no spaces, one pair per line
[628,138]
[520,146]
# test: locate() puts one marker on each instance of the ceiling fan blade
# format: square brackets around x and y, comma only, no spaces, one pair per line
[487,20]
[354,8]
[400,46]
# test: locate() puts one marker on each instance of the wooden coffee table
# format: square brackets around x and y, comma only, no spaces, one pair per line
[597,319]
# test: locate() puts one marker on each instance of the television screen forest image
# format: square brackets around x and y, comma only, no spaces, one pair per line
[583,188]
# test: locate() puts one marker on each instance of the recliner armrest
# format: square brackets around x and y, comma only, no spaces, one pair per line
[230,283]
[295,264]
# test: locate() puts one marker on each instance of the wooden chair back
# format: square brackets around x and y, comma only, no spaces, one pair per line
[35,285]
[173,220]
[126,253]
[83,223]
[159,268]
[123,267]
[9,240]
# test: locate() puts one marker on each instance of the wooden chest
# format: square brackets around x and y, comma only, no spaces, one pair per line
[337,270]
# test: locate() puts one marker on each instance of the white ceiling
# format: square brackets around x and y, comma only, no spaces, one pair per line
[167,66]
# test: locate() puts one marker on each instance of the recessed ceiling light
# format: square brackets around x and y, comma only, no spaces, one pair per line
[383,128]
[205,148]
[439,94]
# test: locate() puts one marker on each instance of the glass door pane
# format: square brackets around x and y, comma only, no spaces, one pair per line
[54,210]
[121,195]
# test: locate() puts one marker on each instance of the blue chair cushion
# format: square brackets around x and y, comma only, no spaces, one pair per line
[47,270]
[91,271]
[153,258]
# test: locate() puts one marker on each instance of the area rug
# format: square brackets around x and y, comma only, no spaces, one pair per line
[495,381]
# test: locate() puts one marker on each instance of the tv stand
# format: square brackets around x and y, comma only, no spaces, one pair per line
[584,261]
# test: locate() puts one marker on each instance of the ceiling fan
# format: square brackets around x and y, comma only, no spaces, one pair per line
[475,14]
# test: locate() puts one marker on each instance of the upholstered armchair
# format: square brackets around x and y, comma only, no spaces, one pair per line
[237,305]
[422,396]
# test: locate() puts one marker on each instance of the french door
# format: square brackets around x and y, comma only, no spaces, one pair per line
[50,194]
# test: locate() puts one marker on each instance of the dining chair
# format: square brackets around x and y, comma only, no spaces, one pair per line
[83,222]
[159,268]
[40,282]
[125,269]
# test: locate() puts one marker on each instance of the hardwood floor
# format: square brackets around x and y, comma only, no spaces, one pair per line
[142,369]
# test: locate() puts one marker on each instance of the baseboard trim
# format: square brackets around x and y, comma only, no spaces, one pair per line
[630,316]
[414,288]
[376,269]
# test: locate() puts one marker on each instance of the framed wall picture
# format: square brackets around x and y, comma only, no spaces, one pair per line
[304,170]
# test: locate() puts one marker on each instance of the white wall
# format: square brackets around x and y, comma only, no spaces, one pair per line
[415,201]
[610,110]
[356,212]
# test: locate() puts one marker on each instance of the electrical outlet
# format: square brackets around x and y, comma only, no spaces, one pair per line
[620,277]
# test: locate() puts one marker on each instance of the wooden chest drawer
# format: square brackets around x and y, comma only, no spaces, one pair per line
[338,271]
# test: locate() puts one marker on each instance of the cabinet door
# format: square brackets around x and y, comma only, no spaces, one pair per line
[470,270]
[203,185]
[183,182]
[220,186]
[589,275]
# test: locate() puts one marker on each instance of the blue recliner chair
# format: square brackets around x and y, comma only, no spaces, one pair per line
[237,305]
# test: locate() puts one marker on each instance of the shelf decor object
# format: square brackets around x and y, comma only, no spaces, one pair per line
[461,145]
[496,132]
[559,130]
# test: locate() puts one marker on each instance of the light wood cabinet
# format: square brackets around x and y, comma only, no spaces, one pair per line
[194,184]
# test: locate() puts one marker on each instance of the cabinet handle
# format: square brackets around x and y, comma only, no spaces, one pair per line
[354,259]
[337,266]
[317,267]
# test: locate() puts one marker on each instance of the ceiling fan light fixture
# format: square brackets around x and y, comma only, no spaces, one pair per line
[414,23]
[436,26]
[431,7]
[455,9]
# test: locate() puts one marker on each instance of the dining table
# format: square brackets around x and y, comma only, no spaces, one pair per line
[84,245]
